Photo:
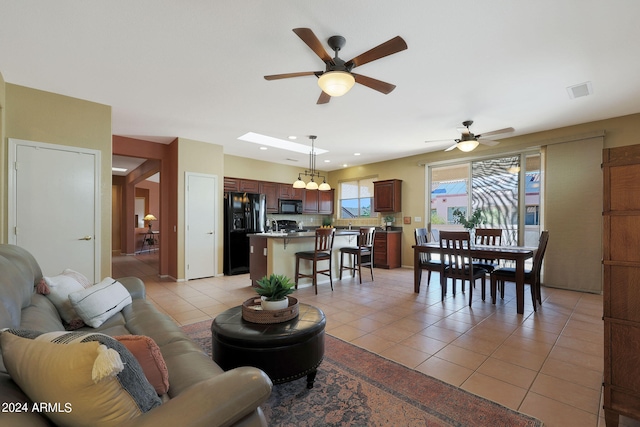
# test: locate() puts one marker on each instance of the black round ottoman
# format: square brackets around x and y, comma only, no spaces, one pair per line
[285,351]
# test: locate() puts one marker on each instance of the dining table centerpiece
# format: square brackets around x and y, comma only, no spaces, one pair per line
[274,290]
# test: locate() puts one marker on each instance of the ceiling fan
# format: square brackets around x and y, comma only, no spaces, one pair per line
[468,141]
[337,78]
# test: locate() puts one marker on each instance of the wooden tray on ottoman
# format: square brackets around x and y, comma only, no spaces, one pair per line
[252,312]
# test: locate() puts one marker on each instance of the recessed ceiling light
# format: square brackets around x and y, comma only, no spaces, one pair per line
[263,148]
[270,141]
[356,154]
[345,165]
[327,161]
[118,169]
[293,137]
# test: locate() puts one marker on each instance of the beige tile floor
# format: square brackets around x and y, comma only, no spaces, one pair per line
[547,364]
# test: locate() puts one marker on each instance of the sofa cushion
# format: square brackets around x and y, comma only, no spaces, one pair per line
[60,287]
[99,302]
[148,354]
[48,371]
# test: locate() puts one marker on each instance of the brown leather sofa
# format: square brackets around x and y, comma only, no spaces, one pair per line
[200,392]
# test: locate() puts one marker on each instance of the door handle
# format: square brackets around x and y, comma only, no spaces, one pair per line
[85,238]
[211,232]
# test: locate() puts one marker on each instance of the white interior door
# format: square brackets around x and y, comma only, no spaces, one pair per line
[54,205]
[200,236]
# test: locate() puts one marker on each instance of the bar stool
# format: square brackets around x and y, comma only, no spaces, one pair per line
[362,255]
[322,252]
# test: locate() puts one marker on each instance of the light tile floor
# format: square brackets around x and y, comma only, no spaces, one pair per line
[547,364]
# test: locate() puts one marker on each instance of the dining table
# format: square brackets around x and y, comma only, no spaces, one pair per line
[518,254]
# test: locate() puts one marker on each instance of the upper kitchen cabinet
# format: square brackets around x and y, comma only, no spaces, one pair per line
[325,202]
[316,201]
[387,195]
[288,192]
[241,185]
[271,192]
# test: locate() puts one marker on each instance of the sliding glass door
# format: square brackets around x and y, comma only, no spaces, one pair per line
[504,192]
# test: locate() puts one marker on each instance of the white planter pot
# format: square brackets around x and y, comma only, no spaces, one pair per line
[275,305]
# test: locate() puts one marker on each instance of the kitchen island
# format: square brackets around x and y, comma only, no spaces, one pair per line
[276,253]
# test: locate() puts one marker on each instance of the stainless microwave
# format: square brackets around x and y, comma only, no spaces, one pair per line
[289,206]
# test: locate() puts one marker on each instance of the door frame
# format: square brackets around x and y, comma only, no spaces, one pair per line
[12,193]
[216,233]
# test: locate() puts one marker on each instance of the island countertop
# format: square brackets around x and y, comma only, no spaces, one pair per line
[275,253]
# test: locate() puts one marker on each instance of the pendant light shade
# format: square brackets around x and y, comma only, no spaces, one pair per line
[336,83]
[312,185]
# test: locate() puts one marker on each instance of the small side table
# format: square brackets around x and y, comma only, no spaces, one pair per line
[285,351]
[150,240]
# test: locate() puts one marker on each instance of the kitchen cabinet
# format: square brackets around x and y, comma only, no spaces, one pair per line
[325,202]
[241,185]
[288,192]
[271,192]
[621,290]
[257,258]
[387,195]
[387,249]
[310,202]
[231,184]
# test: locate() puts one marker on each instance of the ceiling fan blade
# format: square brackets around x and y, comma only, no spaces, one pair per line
[312,41]
[387,48]
[289,75]
[452,147]
[489,142]
[374,84]
[324,98]
[496,132]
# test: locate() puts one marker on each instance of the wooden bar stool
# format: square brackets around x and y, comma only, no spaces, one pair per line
[362,255]
[322,252]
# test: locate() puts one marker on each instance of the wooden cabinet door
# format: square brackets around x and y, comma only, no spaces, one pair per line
[231,184]
[621,298]
[325,202]
[310,202]
[386,195]
[249,186]
[289,193]
[270,190]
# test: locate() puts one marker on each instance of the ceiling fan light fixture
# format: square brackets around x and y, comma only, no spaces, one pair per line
[468,145]
[336,83]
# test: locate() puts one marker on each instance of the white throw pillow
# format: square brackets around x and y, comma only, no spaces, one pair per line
[98,303]
[59,289]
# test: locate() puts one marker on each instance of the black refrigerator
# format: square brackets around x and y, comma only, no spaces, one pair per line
[244,214]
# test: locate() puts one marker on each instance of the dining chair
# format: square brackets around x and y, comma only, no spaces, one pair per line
[421,236]
[361,255]
[490,237]
[455,252]
[322,252]
[531,277]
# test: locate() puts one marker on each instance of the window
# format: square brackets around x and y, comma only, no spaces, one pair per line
[356,199]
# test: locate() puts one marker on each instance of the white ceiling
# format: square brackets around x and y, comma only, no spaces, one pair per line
[195,68]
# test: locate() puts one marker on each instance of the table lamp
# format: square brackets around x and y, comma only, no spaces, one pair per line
[150,218]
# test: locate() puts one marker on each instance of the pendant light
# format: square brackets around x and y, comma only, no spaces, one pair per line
[312,184]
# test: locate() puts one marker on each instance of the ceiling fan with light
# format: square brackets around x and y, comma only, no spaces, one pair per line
[468,141]
[337,78]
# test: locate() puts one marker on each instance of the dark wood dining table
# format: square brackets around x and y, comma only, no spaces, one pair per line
[519,254]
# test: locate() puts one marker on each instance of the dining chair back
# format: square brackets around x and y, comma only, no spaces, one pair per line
[361,255]
[531,277]
[490,237]
[421,236]
[322,252]
[455,251]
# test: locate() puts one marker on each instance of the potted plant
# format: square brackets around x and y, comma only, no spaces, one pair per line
[274,290]
[388,220]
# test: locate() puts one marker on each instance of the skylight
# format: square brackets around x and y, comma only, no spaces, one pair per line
[256,138]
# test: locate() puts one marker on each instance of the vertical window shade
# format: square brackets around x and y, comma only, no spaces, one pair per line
[494,190]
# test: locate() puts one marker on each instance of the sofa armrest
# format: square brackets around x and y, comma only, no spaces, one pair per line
[135,287]
[218,401]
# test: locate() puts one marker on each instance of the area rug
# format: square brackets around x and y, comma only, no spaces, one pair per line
[355,387]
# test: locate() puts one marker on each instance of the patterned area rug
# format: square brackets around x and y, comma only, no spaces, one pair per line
[355,387]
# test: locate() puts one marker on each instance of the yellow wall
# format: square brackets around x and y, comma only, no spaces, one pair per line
[40,116]
[241,167]
[3,161]
[205,158]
